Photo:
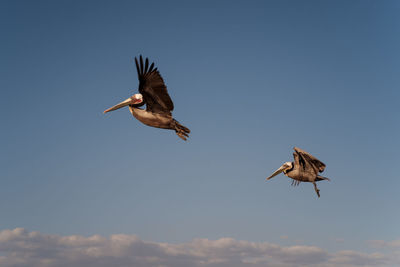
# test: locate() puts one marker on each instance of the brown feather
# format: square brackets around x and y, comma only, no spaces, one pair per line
[153,88]
[311,159]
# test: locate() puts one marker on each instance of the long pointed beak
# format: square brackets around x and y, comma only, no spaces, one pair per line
[120,105]
[278,171]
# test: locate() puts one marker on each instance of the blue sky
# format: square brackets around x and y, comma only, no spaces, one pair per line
[250,79]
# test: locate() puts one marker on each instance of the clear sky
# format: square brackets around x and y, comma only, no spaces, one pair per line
[251,79]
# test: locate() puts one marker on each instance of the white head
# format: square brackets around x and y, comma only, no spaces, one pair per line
[135,100]
[287,166]
[284,168]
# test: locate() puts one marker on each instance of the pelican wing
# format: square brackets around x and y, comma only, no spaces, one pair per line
[153,88]
[306,160]
[303,165]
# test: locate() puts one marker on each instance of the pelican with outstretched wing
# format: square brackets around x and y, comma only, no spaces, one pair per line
[153,93]
[305,168]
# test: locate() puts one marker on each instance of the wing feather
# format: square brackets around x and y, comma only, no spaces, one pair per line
[137,67]
[146,67]
[141,65]
[304,166]
[313,161]
[153,88]
[151,67]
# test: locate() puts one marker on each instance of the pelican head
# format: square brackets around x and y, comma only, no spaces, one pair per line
[136,100]
[284,168]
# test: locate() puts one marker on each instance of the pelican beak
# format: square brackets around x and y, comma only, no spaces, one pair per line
[278,171]
[120,105]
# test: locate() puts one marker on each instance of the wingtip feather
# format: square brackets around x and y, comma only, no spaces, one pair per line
[146,65]
[137,66]
[141,65]
[151,67]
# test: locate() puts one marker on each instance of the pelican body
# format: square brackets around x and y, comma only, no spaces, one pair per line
[153,93]
[305,168]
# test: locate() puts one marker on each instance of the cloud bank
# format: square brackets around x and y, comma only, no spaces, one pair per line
[20,247]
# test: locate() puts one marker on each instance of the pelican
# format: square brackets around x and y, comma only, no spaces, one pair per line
[305,168]
[152,92]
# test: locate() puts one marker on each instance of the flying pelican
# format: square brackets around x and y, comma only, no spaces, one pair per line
[153,93]
[305,168]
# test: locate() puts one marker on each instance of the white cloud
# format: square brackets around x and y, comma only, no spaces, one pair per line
[19,247]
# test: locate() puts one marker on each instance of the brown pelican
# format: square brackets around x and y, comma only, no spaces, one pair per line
[305,168]
[153,93]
